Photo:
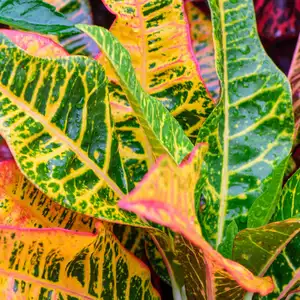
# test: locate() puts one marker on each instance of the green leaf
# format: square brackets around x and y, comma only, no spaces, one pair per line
[264,206]
[289,204]
[34,15]
[60,264]
[55,116]
[163,131]
[225,248]
[250,131]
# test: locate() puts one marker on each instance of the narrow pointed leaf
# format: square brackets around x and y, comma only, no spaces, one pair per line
[203,46]
[166,196]
[158,40]
[34,15]
[250,131]
[163,131]
[55,117]
[294,77]
[289,204]
[60,264]
[76,11]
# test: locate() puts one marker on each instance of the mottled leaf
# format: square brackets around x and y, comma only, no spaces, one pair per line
[261,211]
[34,15]
[163,131]
[250,131]
[55,117]
[225,248]
[174,207]
[77,11]
[294,77]
[203,46]
[157,38]
[61,264]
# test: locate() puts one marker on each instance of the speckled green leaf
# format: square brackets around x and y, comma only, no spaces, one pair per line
[59,264]
[163,131]
[35,15]
[264,206]
[55,117]
[250,131]
[225,248]
[77,11]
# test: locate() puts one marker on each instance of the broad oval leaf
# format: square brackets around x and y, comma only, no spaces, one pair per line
[203,46]
[162,130]
[250,131]
[56,119]
[61,264]
[35,15]
[158,40]
[174,207]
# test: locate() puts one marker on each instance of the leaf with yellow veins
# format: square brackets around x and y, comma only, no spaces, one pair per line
[167,196]
[157,36]
[56,118]
[62,264]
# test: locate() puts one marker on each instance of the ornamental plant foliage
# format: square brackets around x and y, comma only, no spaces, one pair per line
[126,161]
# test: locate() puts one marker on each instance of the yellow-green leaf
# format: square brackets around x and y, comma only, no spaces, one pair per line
[203,46]
[156,34]
[166,196]
[61,264]
[55,116]
[162,130]
[250,131]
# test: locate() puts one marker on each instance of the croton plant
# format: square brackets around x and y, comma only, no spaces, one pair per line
[151,154]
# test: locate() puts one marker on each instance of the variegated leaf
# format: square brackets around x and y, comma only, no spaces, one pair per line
[61,264]
[56,119]
[203,46]
[77,11]
[157,38]
[167,196]
[250,131]
[294,77]
[162,130]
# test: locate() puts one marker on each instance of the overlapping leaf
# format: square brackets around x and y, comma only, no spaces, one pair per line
[202,42]
[157,38]
[294,77]
[55,117]
[162,130]
[167,196]
[60,264]
[250,131]
[77,11]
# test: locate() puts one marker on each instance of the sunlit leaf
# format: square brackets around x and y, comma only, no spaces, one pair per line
[55,117]
[157,38]
[162,130]
[166,196]
[35,15]
[250,131]
[77,11]
[60,264]
[202,42]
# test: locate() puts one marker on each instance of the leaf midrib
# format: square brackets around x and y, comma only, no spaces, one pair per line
[56,133]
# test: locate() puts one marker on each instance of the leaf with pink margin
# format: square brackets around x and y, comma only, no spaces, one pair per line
[166,196]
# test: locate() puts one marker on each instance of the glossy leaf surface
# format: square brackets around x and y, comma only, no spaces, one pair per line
[77,11]
[174,207]
[294,77]
[34,15]
[157,38]
[203,46]
[55,117]
[162,130]
[60,264]
[250,131]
